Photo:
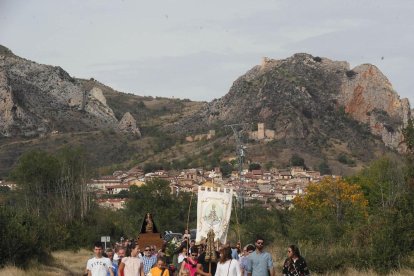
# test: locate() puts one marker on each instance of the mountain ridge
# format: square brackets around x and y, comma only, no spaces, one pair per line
[309,106]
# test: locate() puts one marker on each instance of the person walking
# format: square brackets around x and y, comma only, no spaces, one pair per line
[99,265]
[148,259]
[247,250]
[132,265]
[260,263]
[295,264]
[227,266]
[206,268]
[160,269]
[190,264]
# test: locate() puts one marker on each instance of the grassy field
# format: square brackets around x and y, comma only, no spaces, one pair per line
[69,263]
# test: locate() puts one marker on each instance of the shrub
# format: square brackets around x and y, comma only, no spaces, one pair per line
[351,74]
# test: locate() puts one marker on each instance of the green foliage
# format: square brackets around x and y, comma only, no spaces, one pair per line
[324,168]
[297,160]
[344,159]
[169,211]
[258,221]
[152,167]
[21,237]
[254,166]
[408,133]
[383,183]
[4,189]
[351,74]
[226,168]
[332,226]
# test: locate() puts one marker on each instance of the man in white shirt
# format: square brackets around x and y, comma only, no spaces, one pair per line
[99,265]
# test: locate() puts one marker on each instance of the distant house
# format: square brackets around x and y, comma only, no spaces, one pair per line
[285,174]
[112,203]
[116,189]
[103,182]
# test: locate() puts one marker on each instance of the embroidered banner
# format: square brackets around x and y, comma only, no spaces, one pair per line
[213,212]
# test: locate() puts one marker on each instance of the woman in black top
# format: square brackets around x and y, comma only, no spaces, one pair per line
[295,264]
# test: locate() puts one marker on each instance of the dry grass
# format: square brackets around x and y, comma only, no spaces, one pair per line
[279,256]
[354,272]
[67,263]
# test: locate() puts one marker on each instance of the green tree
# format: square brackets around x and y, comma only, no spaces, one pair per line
[23,237]
[383,183]
[169,210]
[391,213]
[297,160]
[37,173]
[254,166]
[54,184]
[226,168]
[324,168]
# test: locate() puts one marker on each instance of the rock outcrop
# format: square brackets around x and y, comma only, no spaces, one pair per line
[128,124]
[11,114]
[312,100]
[368,97]
[38,98]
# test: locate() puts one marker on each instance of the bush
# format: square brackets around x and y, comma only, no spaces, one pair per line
[351,74]
[297,160]
[317,59]
[344,159]
[22,237]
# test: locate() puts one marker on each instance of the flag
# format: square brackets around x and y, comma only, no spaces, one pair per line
[213,212]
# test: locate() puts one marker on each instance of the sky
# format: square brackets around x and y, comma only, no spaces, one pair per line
[196,49]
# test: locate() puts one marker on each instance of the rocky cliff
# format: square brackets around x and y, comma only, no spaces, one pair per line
[37,99]
[311,101]
[129,125]
[368,96]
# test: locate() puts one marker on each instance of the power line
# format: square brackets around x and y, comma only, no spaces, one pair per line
[241,153]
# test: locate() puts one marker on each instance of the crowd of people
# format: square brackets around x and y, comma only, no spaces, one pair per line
[127,259]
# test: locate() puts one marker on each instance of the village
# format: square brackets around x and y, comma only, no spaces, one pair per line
[275,188]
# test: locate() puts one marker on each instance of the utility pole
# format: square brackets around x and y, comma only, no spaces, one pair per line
[240,151]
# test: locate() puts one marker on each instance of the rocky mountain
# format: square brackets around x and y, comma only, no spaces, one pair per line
[314,106]
[319,109]
[37,99]
[43,107]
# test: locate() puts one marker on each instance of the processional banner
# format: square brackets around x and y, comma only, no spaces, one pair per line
[213,212]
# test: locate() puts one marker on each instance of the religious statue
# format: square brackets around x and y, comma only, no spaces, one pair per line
[148,225]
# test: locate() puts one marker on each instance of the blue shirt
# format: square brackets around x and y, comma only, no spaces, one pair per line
[234,254]
[114,268]
[148,263]
[258,264]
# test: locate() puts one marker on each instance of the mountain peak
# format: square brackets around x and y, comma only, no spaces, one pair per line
[4,51]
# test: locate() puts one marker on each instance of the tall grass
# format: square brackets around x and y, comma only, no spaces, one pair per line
[66,263]
[69,263]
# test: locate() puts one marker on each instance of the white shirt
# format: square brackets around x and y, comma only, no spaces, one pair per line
[181,258]
[99,266]
[229,268]
[132,266]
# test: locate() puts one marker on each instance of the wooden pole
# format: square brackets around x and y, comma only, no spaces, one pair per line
[188,221]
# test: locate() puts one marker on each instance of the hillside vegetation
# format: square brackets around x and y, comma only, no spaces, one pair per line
[363,222]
